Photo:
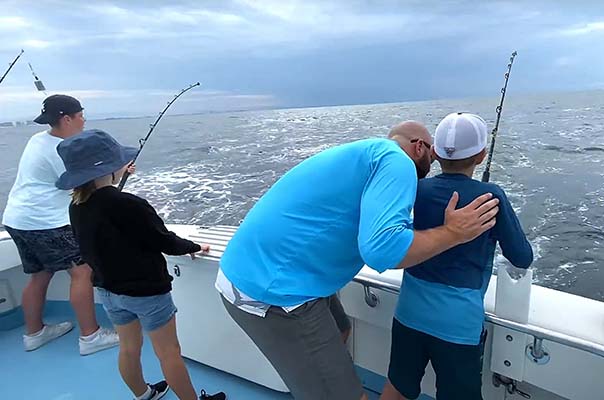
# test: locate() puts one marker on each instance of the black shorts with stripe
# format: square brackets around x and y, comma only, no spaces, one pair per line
[458,367]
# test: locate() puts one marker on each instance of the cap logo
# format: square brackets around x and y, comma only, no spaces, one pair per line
[449,151]
[98,163]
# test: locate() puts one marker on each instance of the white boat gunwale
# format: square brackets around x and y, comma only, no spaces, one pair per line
[567,340]
[539,334]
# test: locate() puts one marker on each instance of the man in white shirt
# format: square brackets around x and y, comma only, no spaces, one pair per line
[37,218]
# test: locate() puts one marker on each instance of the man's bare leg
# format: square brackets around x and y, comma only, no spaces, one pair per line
[33,300]
[81,296]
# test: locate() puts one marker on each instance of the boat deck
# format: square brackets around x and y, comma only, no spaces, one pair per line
[56,371]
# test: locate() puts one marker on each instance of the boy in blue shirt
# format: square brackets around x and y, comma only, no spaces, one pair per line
[440,311]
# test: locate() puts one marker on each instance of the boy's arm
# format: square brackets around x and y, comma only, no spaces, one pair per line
[508,232]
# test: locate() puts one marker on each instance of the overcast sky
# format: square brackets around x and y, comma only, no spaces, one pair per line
[129,57]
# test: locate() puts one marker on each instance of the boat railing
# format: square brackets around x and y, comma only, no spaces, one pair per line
[539,334]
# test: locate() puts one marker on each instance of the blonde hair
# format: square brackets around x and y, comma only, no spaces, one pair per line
[83,192]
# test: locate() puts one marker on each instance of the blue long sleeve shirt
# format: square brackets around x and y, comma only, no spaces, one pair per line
[316,227]
[444,295]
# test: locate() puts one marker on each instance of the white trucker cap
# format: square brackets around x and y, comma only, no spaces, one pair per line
[460,135]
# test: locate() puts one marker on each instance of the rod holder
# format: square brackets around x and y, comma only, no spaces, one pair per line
[371,298]
[537,353]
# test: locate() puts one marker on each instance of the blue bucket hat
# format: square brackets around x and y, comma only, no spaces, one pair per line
[90,155]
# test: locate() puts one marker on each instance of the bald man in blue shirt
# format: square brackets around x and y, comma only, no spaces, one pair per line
[313,231]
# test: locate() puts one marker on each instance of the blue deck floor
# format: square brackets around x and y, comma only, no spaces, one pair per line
[56,371]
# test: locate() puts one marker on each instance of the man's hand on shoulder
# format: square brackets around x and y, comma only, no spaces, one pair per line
[467,223]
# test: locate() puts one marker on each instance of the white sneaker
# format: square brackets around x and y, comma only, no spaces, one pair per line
[100,340]
[48,333]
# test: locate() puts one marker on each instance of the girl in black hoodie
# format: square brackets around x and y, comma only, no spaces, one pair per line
[122,238]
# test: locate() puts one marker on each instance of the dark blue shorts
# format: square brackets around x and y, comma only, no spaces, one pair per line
[458,367]
[50,250]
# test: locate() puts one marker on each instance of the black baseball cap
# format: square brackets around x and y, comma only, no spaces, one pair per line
[56,106]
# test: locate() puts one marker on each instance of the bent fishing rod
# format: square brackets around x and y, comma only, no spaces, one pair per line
[487,171]
[10,66]
[143,141]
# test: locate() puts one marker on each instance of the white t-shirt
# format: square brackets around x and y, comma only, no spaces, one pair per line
[34,201]
[241,300]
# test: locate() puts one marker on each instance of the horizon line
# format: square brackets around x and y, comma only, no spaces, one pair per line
[294,107]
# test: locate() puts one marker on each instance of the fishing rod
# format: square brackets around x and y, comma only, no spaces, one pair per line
[10,66]
[487,171]
[151,128]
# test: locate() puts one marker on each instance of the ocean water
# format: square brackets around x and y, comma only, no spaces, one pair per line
[210,169]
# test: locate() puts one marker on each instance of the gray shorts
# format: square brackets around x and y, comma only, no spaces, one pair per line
[50,250]
[338,314]
[153,312]
[306,348]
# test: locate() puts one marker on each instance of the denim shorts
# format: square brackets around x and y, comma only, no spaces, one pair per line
[49,250]
[153,312]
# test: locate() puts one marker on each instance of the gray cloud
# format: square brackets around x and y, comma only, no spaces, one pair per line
[297,53]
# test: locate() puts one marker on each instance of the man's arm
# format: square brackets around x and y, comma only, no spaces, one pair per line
[461,226]
[385,224]
[386,238]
